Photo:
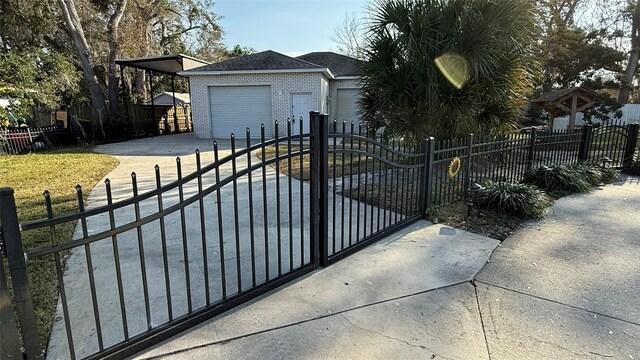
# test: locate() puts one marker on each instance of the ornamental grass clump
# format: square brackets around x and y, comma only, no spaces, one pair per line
[515,198]
[596,174]
[609,175]
[559,180]
[590,173]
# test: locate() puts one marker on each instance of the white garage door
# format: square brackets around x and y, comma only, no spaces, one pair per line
[233,109]
[347,106]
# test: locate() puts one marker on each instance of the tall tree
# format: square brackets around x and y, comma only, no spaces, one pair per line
[349,36]
[634,53]
[76,32]
[114,46]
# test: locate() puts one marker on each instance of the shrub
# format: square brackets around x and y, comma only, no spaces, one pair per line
[513,198]
[633,168]
[560,180]
[609,175]
[590,173]
[596,174]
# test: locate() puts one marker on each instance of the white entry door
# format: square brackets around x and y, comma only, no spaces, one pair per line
[300,107]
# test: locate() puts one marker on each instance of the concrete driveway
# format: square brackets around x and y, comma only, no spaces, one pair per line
[182,256]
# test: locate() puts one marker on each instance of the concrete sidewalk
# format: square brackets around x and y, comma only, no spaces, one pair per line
[566,287]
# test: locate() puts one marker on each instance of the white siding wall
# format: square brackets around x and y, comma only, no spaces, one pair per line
[282,85]
[334,85]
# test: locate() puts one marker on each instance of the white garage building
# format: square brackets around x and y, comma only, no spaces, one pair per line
[230,96]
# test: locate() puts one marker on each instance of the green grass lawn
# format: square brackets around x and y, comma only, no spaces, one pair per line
[59,172]
[353,164]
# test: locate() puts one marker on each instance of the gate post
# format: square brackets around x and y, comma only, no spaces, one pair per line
[426,188]
[9,344]
[319,185]
[585,142]
[467,171]
[532,146]
[18,270]
[630,146]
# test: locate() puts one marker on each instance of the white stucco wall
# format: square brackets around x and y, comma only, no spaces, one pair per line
[282,86]
[334,85]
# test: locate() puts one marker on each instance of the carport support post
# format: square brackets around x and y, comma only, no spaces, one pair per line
[124,96]
[12,243]
[426,186]
[153,105]
[630,146]
[319,185]
[190,114]
[175,110]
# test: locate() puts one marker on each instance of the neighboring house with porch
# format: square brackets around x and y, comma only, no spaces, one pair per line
[232,95]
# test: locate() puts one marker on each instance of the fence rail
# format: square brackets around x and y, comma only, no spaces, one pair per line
[142,267]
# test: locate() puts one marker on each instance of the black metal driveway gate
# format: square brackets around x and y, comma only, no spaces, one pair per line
[149,265]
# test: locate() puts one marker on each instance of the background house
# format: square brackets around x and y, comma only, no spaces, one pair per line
[231,95]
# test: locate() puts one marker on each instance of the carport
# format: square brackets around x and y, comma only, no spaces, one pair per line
[166,65]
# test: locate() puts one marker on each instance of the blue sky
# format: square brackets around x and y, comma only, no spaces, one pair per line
[291,27]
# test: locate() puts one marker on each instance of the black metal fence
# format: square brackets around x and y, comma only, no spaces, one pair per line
[509,157]
[145,266]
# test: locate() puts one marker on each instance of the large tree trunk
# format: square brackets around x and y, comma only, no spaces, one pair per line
[634,56]
[114,75]
[141,86]
[98,101]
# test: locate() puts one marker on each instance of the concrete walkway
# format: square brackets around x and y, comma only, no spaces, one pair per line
[566,287]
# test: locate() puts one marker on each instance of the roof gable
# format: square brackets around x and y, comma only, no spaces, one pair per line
[265,60]
[339,65]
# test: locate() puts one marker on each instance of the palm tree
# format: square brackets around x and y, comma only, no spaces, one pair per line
[445,68]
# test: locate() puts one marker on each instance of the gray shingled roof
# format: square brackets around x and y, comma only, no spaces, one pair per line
[339,65]
[265,60]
